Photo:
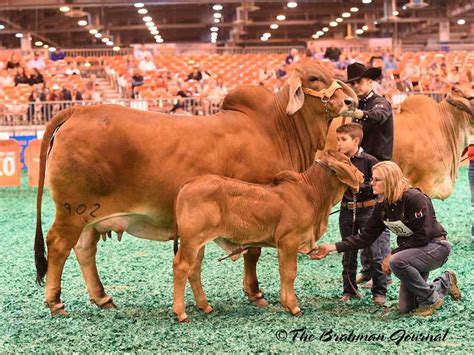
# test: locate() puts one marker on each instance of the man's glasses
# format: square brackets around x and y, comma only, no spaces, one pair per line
[374,179]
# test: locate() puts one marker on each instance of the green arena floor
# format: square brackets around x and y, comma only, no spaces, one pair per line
[138,275]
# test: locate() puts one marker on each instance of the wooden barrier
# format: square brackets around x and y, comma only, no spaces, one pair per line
[10,166]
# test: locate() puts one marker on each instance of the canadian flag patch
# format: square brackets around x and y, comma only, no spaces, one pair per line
[418,214]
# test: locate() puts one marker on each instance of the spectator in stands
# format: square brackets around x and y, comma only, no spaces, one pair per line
[95,94]
[146,64]
[212,95]
[454,77]
[266,73]
[58,54]
[75,93]
[437,84]
[281,71]
[137,80]
[195,74]
[140,52]
[72,69]
[14,62]
[21,77]
[332,53]
[36,77]
[293,57]
[36,62]
[343,62]
[410,70]
[90,82]
[6,79]
[390,62]
[35,99]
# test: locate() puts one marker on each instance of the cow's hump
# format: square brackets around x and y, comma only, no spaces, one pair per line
[247,97]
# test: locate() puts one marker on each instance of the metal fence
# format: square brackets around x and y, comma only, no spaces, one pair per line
[24,113]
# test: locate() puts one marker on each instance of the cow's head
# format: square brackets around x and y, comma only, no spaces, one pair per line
[462,96]
[345,171]
[314,83]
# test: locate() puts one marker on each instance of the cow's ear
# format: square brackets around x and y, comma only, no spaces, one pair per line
[296,95]
[460,102]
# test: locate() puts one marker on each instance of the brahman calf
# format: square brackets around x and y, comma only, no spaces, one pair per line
[290,214]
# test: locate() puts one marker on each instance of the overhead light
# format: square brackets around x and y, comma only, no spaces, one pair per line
[45,46]
[339,19]
[359,31]
[18,35]
[333,23]
[320,33]
[214,29]
[153,28]
[149,24]
[93,31]
[264,38]
[157,36]
[64,9]
[217,7]
[154,32]
[325,29]
[404,7]
[138,4]
[395,13]
[216,20]
[161,40]
[461,21]
[87,64]
[376,23]
[365,27]
[98,35]
[346,14]
[110,43]
[217,15]
[267,34]
[147,19]
[213,40]
[2,27]
[281,17]
[366,1]
[52,49]
[105,39]
[142,11]
[354,9]
[116,48]
[274,26]
[82,23]
[292,4]
[315,36]
[214,34]
[38,43]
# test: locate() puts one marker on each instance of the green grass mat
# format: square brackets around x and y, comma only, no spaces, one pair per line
[138,275]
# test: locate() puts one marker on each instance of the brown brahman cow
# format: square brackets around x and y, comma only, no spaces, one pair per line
[112,168]
[290,214]
[429,139]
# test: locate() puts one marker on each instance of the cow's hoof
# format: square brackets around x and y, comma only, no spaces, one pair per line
[298,313]
[183,318]
[58,309]
[207,310]
[105,303]
[260,302]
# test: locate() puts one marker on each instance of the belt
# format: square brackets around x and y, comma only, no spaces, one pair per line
[362,204]
[437,239]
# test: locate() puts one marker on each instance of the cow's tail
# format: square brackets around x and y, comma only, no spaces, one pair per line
[40,253]
[175,228]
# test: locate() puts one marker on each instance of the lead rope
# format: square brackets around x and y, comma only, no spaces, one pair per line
[354,215]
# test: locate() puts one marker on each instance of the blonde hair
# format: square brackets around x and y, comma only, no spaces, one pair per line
[394,182]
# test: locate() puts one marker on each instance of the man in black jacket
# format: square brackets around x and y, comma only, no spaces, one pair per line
[376,117]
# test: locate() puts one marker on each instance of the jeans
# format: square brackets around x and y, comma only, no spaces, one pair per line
[365,256]
[377,251]
[412,267]
[471,186]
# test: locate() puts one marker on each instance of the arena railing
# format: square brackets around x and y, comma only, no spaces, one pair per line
[23,113]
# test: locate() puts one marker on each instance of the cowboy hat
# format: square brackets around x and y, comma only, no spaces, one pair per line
[355,71]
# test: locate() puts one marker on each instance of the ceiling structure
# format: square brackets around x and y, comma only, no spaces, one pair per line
[242,23]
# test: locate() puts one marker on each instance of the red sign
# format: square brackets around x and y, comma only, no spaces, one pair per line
[10,165]
[32,159]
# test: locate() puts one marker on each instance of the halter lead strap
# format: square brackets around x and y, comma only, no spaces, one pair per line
[326,167]
[324,94]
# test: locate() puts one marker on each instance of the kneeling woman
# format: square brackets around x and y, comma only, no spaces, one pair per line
[422,245]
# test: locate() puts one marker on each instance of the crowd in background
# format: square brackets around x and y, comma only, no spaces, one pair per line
[147,75]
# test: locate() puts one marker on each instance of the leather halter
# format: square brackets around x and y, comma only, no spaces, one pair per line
[324,94]
[455,104]
[326,167]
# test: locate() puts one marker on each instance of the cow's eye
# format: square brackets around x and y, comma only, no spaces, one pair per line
[313,78]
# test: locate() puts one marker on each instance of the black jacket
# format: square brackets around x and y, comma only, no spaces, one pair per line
[364,162]
[377,125]
[416,212]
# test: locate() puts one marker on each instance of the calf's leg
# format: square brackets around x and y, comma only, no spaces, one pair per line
[86,251]
[287,260]
[196,285]
[250,281]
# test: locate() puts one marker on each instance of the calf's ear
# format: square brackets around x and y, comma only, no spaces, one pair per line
[346,175]
[296,95]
